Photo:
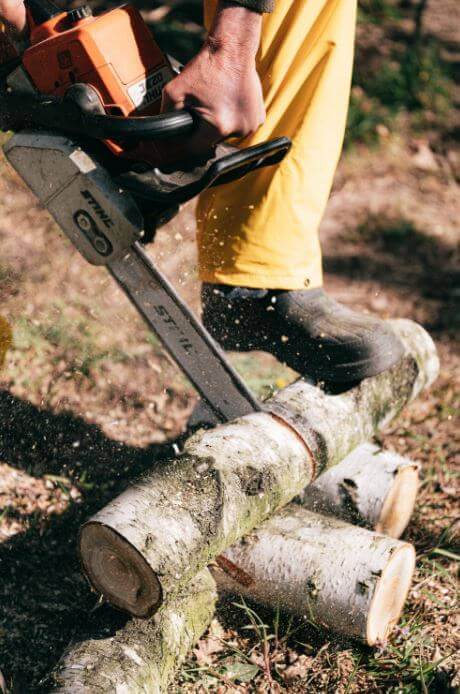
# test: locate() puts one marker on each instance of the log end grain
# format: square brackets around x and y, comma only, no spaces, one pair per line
[118,571]
[399,504]
[345,578]
[372,487]
[390,594]
[230,479]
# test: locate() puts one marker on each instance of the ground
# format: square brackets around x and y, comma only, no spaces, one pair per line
[88,400]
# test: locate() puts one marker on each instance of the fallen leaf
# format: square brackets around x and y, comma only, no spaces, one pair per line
[240,670]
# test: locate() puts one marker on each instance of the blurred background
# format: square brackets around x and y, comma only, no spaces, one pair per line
[88,399]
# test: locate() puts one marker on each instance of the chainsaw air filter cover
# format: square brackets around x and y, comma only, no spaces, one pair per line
[114,53]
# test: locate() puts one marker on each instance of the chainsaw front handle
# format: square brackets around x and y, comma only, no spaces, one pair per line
[24,110]
[159,127]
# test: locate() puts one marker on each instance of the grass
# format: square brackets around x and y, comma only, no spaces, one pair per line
[377,11]
[60,338]
[410,78]
[263,374]
[274,650]
[86,405]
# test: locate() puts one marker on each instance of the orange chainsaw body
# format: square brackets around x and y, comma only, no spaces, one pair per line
[115,53]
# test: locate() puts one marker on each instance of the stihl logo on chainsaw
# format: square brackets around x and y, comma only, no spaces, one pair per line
[169,321]
[93,203]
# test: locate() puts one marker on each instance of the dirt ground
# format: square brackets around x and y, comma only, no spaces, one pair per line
[88,400]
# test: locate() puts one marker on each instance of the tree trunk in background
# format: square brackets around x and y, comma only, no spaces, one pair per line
[144,655]
[345,578]
[371,487]
[149,542]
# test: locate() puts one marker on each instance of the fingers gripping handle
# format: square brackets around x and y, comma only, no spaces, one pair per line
[19,110]
[29,110]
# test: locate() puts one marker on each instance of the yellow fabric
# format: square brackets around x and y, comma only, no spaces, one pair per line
[262,231]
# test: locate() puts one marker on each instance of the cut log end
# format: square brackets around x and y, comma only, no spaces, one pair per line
[399,504]
[371,487]
[118,571]
[349,579]
[390,594]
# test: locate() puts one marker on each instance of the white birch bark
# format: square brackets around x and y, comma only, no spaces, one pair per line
[144,655]
[334,425]
[371,487]
[150,541]
[345,578]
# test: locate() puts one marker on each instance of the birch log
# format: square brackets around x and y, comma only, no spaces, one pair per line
[371,487]
[143,656]
[151,540]
[337,575]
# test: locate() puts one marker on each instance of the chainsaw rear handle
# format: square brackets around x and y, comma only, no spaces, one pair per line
[28,110]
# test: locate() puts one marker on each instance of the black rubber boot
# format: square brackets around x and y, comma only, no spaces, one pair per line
[310,332]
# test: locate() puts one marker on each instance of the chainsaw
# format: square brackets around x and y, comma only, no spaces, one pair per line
[83,99]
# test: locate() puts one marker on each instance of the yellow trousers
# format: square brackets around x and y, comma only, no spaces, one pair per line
[262,231]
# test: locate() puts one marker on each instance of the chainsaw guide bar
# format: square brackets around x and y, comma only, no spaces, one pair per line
[105,224]
[86,121]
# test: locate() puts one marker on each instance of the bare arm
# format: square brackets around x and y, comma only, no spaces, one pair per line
[221,83]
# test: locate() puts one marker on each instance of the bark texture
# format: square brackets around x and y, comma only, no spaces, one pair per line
[371,487]
[345,578]
[154,537]
[334,425]
[143,656]
[150,541]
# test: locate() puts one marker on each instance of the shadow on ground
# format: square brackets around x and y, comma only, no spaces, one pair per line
[395,254]
[45,602]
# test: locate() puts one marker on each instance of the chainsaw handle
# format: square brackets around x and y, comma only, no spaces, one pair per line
[29,110]
[166,190]
[141,127]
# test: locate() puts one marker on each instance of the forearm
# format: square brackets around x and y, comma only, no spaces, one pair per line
[235,30]
[257,5]
[220,84]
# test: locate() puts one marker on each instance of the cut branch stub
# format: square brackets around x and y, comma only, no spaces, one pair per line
[348,579]
[230,479]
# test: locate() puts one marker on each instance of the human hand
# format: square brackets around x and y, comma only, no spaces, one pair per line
[221,84]
[13,14]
